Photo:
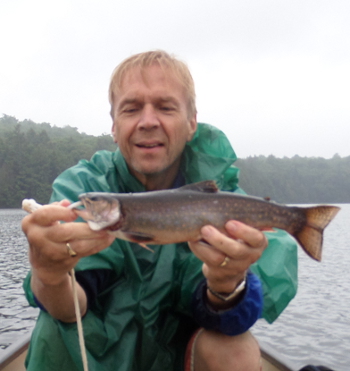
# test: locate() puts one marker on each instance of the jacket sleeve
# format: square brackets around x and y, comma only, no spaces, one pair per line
[278,271]
[236,320]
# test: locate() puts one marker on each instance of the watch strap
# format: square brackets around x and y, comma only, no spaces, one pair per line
[233,294]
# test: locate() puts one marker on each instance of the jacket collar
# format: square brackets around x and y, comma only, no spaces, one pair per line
[209,155]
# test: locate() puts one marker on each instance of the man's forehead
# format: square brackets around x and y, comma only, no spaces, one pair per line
[157,81]
[136,96]
[150,75]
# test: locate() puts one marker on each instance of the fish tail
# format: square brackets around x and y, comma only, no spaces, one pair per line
[310,236]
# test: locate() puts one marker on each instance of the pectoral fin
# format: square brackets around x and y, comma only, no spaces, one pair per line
[139,237]
[146,247]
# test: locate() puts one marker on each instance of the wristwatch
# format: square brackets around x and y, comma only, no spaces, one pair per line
[233,294]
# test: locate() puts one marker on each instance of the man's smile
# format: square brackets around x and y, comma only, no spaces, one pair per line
[149,144]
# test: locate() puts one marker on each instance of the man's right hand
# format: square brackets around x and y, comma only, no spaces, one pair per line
[50,259]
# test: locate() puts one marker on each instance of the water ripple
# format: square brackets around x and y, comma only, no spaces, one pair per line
[16,316]
[314,329]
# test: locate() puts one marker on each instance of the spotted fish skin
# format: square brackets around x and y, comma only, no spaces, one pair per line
[177,215]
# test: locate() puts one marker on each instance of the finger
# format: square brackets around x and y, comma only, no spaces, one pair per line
[84,248]
[225,244]
[71,231]
[48,215]
[207,253]
[251,236]
[64,203]
[59,255]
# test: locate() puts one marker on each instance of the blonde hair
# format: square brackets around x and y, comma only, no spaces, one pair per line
[146,59]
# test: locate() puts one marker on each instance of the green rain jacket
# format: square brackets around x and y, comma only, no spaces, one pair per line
[136,324]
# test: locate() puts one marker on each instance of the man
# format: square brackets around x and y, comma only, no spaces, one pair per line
[142,310]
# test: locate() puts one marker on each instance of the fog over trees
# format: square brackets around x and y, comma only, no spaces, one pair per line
[32,155]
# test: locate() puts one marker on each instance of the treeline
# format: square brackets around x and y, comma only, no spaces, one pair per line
[297,179]
[32,155]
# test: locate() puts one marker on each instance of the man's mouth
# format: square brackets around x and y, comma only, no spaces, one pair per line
[149,145]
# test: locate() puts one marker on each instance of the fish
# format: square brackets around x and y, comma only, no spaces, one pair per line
[177,215]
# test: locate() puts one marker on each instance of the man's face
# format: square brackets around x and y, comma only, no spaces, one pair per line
[151,122]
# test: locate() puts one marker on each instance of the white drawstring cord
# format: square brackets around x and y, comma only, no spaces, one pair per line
[30,206]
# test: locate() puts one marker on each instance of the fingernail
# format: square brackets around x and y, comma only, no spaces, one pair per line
[231,226]
[207,231]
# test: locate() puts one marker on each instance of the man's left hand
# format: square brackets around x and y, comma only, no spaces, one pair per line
[227,256]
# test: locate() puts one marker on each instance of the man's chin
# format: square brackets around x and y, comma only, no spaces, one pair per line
[148,170]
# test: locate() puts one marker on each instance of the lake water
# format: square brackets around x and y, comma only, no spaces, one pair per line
[16,317]
[314,329]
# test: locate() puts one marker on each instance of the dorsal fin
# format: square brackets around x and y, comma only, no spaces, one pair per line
[208,186]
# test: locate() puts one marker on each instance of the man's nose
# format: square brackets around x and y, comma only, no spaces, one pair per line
[149,118]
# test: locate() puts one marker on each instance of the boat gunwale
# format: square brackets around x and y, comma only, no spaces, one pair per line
[14,350]
[275,358]
[18,348]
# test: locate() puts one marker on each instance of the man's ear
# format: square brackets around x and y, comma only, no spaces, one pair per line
[114,133]
[193,127]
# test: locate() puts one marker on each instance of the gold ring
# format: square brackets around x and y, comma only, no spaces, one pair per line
[226,260]
[71,252]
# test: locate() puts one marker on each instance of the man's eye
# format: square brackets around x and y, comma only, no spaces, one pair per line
[166,108]
[130,110]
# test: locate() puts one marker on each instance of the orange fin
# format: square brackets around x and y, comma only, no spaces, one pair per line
[146,247]
[310,236]
[268,230]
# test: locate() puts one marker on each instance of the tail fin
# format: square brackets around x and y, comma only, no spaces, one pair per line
[310,237]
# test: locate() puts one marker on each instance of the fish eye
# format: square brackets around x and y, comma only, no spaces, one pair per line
[94,198]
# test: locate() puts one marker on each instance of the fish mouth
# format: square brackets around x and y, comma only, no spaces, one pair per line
[99,212]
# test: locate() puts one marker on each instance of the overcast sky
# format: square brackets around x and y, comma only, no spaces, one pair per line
[273,75]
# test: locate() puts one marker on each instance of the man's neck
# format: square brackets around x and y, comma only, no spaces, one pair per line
[158,184]
[154,182]
[157,181]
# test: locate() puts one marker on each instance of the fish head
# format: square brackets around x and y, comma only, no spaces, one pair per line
[100,210]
